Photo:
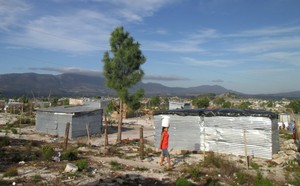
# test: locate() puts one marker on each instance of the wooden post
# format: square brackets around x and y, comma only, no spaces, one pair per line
[246,154]
[141,144]
[21,117]
[105,132]
[88,134]
[67,135]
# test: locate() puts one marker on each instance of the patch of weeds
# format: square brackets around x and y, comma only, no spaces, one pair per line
[212,159]
[82,164]
[271,163]
[28,147]
[212,182]
[3,183]
[285,134]
[4,141]
[149,150]
[242,177]
[47,152]
[17,157]
[261,181]
[72,175]
[36,178]
[296,180]
[115,165]
[240,161]
[14,131]
[80,144]
[70,154]
[195,173]
[292,166]
[227,167]
[254,166]
[183,182]
[11,172]
[141,169]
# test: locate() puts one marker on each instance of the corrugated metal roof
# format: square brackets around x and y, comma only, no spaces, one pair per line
[219,112]
[69,109]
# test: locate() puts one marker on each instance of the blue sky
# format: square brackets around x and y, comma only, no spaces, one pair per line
[250,46]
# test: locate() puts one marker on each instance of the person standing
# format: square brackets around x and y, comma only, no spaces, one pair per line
[164,144]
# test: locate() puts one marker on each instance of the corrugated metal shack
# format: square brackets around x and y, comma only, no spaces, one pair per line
[221,130]
[53,120]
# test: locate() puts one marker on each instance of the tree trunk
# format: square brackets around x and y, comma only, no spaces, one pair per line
[119,138]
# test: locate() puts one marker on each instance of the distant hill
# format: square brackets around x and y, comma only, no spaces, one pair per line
[43,85]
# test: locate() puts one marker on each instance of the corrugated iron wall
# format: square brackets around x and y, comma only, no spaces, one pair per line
[222,134]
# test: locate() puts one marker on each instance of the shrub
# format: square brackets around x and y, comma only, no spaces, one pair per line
[183,182]
[4,141]
[212,159]
[195,173]
[82,164]
[14,131]
[10,172]
[115,165]
[141,168]
[242,177]
[296,180]
[261,181]
[36,178]
[17,157]
[47,152]
[254,165]
[70,154]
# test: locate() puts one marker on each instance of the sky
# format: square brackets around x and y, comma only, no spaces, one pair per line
[249,46]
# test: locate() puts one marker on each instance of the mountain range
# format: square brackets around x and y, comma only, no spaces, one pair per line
[44,85]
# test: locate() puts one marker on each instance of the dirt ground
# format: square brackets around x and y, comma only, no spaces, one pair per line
[120,164]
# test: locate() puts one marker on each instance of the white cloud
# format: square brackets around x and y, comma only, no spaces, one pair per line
[84,31]
[266,44]
[164,78]
[136,10]
[214,63]
[268,31]
[73,70]
[281,57]
[188,42]
[10,11]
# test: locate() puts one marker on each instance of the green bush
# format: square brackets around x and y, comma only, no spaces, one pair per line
[14,131]
[47,152]
[254,165]
[195,173]
[212,159]
[4,141]
[36,178]
[11,172]
[82,164]
[115,165]
[242,177]
[183,182]
[17,157]
[261,181]
[70,154]
[296,180]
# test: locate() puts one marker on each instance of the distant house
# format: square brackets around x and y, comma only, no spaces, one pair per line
[179,105]
[53,120]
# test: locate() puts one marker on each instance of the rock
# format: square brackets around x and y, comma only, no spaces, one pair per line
[70,167]
[290,152]
[120,181]
[281,159]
